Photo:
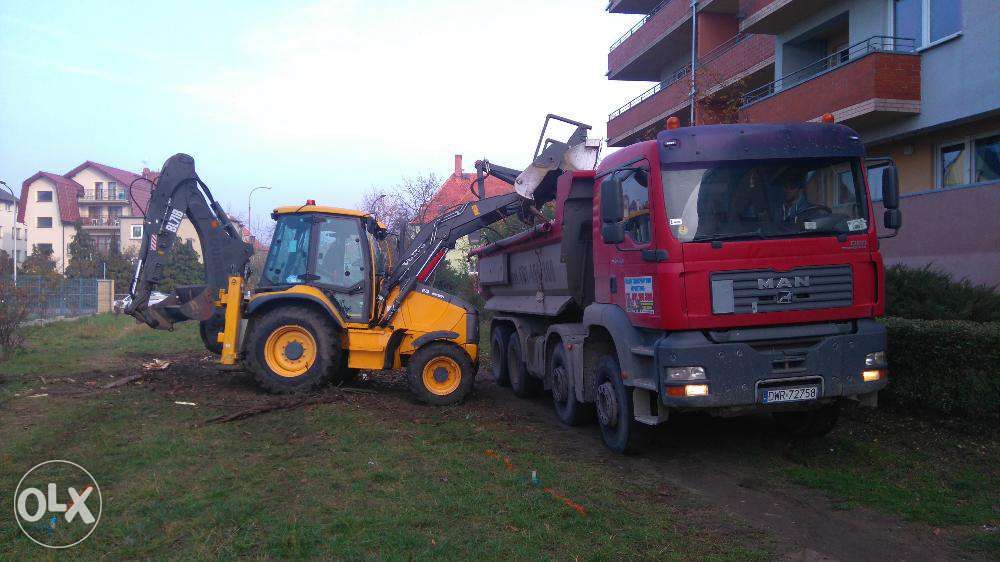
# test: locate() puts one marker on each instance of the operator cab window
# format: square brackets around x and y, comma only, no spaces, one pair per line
[342,264]
[288,259]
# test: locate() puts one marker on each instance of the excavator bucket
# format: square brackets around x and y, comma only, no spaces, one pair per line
[576,153]
[178,194]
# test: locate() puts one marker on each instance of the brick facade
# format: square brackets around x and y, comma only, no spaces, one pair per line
[878,76]
[742,57]
[657,106]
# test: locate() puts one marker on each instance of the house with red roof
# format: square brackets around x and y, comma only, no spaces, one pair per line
[458,189]
[105,201]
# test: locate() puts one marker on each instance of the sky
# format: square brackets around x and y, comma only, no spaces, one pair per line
[316,99]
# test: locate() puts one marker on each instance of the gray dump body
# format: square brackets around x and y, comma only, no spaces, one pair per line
[547,270]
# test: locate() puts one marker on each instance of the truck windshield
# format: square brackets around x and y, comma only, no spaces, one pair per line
[765,199]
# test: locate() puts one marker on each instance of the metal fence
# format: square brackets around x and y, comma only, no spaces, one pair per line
[51,297]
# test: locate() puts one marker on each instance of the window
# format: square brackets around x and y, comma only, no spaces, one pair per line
[43,248]
[635,202]
[44,196]
[765,199]
[136,232]
[968,161]
[44,222]
[112,190]
[987,164]
[926,21]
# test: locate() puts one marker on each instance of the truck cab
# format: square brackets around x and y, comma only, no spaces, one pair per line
[727,268]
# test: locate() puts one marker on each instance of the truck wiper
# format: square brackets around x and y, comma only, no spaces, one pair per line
[729,236]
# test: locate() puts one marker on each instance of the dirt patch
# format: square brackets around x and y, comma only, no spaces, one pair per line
[693,454]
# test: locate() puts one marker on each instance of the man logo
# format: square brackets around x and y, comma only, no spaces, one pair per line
[786,297]
[782,282]
[41,513]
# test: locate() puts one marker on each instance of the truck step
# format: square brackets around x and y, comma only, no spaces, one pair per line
[644,350]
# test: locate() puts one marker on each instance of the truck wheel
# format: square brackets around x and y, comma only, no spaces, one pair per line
[441,374]
[523,384]
[498,356]
[570,410]
[614,408]
[812,423]
[291,349]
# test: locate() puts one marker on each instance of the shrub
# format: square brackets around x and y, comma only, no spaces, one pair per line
[13,313]
[949,366]
[931,294]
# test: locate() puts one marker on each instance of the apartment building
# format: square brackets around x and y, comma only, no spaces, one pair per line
[105,201]
[918,79]
[12,233]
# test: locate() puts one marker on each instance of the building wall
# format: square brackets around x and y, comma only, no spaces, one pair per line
[12,233]
[59,235]
[185,232]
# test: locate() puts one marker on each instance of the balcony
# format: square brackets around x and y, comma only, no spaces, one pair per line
[640,53]
[652,106]
[632,6]
[873,81]
[744,58]
[104,197]
[775,16]
[101,222]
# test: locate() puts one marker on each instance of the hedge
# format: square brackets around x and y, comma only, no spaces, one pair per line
[931,294]
[949,366]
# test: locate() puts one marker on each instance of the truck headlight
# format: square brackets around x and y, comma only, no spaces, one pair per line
[685,373]
[876,359]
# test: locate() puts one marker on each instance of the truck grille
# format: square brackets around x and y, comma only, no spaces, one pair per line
[805,288]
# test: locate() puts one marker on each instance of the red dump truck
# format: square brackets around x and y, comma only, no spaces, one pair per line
[726,268]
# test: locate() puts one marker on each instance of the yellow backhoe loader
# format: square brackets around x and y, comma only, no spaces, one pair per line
[334,296]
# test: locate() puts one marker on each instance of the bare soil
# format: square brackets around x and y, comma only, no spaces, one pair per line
[690,453]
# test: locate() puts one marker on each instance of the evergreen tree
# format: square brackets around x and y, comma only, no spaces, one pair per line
[182,267]
[6,264]
[121,267]
[40,262]
[84,259]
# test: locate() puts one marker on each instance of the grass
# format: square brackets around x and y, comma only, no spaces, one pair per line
[343,480]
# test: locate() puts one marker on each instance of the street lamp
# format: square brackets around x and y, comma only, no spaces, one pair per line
[13,230]
[248,202]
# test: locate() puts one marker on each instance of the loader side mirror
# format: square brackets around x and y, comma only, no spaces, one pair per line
[612,230]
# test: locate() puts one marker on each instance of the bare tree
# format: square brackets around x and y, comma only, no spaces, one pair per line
[404,203]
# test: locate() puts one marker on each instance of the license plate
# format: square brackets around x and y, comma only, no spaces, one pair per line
[790,394]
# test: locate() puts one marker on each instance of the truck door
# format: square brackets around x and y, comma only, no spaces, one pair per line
[632,279]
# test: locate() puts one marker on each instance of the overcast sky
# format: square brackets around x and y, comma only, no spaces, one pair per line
[317,99]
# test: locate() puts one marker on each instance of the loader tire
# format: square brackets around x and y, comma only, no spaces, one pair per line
[209,332]
[292,349]
[441,374]
[521,383]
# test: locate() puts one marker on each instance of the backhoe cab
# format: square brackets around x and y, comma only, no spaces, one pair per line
[332,298]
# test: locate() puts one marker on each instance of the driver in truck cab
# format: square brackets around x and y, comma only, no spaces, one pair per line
[795,202]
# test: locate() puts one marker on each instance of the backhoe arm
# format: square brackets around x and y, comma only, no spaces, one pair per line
[179,193]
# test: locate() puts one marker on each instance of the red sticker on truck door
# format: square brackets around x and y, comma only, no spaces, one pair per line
[639,295]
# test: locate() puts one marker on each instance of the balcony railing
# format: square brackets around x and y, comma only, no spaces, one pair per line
[90,195]
[638,25]
[678,74]
[875,44]
[101,221]
[723,48]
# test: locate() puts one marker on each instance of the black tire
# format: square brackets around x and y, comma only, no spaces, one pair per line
[811,423]
[327,350]
[614,409]
[570,410]
[439,359]
[521,383]
[498,355]
[209,332]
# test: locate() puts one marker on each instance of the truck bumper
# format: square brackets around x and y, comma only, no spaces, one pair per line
[741,364]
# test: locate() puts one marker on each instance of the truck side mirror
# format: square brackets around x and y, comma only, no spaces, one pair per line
[612,231]
[890,187]
[893,219]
